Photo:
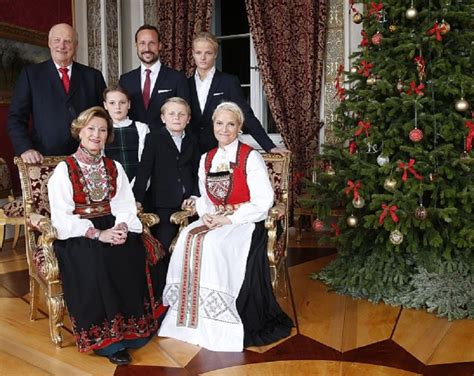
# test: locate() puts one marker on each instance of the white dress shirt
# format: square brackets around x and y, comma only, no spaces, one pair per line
[203,87]
[155,70]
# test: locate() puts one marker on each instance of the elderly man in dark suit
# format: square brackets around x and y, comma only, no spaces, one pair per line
[209,87]
[151,84]
[53,93]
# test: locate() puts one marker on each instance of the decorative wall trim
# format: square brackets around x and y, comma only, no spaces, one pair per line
[334,56]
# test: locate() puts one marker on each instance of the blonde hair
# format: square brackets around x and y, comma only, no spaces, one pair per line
[206,37]
[86,116]
[176,100]
[231,107]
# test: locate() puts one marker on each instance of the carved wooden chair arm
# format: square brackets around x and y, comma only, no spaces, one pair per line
[180,218]
[148,220]
[44,257]
[276,213]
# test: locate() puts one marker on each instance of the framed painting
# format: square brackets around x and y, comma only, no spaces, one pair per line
[18,47]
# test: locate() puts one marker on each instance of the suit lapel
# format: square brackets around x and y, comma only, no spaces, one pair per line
[160,82]
[168,139]
[196,108]
[214,85]
[76,78]
[135,83]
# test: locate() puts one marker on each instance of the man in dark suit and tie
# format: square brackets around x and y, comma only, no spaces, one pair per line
[151,84]
[53,93]
[210,87]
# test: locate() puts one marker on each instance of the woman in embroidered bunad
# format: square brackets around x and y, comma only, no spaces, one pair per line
[111,282]
[218,282]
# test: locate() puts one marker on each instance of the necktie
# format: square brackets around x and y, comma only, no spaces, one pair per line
[65,78]
[146,88]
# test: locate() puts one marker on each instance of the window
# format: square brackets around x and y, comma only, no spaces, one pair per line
[237,55]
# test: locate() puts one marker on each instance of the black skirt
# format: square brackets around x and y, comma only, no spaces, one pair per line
[263,320]
[111,292]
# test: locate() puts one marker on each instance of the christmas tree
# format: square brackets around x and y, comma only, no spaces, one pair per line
[402,169]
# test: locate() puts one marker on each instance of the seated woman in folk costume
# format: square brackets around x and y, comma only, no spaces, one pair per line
[112,284]
[218,283]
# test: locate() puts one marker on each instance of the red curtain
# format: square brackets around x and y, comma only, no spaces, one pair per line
[178,22]
[289,38]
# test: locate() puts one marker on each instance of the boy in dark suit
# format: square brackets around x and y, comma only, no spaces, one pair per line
[170,161]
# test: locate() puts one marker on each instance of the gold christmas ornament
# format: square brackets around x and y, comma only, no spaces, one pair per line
[390,184]
[357,18]
[353,70]
[352,221]
[464,155]
[433,177]
[382,160]
[359,203]
[411,13]
[393,28]
[330,171]
[371,80]
[461,105]
[421,213]
[396,237]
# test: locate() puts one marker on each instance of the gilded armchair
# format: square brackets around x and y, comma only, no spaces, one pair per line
[276,222]
[40,236]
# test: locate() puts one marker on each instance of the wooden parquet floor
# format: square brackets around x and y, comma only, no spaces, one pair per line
[334,335]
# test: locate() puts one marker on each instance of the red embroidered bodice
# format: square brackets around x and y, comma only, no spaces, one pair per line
[86,207]
[229,187]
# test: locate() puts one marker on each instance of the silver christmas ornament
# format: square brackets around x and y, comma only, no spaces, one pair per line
[396,237]
[411,13]
[352,221]
[461,105]
[359,203]
[382,160]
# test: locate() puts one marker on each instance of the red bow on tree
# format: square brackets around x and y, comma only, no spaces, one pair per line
[337,230]
[365,68]
[418,90]
[409,167]
[351,186]
[365,39]
[470,134]
[387,209]
[352,147]
[375,9]
[436,29]
[363,126]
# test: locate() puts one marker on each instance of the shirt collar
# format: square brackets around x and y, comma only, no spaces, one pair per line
[209,76]
[232,147]
[69,67]
[181,136]
[155,68]
[124,123]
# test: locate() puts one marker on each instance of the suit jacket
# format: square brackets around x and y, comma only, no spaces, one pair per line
[169,83]
[224,87]
[169,169]
[39,93]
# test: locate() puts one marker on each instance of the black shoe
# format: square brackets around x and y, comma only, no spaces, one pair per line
[120,358]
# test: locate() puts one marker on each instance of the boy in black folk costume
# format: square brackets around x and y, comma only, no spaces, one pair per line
[170,161]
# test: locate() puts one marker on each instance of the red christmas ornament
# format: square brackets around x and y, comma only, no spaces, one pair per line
[377,38]
[317,225]
[416,135]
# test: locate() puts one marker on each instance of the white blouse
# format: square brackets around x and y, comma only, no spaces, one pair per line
[69,225]
[261,191]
